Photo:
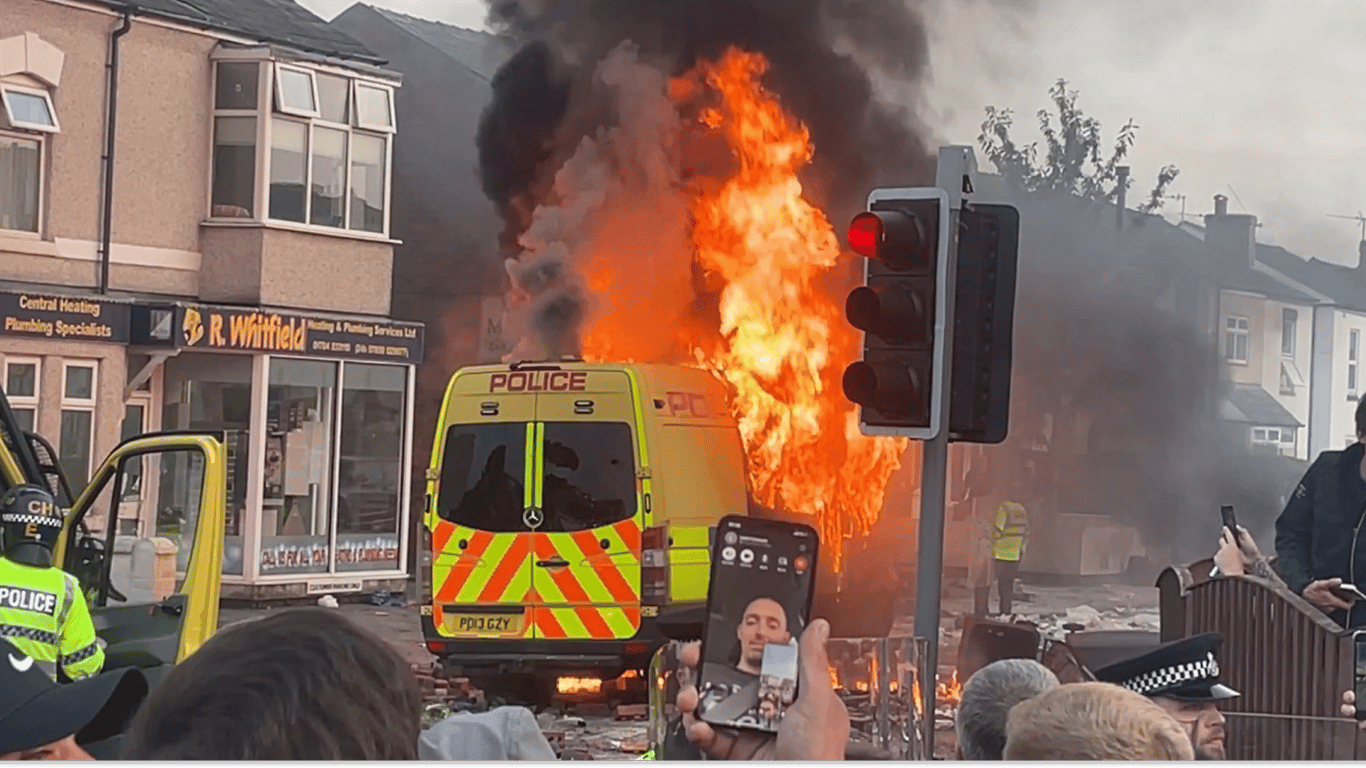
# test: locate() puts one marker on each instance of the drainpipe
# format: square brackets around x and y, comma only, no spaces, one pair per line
[110,132]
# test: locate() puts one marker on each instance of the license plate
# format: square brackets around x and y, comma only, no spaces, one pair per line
[485,624]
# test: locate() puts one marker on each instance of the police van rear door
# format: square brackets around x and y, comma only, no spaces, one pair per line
[152,620]
[481,543]
[588,548]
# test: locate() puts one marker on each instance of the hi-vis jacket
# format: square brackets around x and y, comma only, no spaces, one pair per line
[1008,536]
[44,614]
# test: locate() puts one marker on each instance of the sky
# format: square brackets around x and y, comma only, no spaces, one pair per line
[1258,100]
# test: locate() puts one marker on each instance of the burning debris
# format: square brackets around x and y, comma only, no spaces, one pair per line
[667,201]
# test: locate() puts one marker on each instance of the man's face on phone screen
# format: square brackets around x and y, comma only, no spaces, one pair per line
[764,622]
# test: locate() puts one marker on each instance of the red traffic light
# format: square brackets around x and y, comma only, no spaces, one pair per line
[865,234]
[896,238]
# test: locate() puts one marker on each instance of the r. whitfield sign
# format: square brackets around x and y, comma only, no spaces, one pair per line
[249,330]
[69,318]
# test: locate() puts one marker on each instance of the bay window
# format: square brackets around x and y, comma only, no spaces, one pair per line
[329,138]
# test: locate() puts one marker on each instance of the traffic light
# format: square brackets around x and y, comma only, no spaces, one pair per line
[897,384]
[983,318]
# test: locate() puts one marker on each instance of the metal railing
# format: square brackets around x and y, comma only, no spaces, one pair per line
[1289,661]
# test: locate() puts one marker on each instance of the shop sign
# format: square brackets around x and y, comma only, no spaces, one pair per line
[64,318]
[493,343]
[249,330]
[367,552]
[333,587]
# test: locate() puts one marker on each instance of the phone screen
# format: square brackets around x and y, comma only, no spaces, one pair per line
[1360,687]
[762,577]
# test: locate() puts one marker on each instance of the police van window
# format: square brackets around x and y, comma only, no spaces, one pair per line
[590,475]
[482,476]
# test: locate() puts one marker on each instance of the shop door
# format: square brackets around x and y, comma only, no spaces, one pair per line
[482,541]
[587,547]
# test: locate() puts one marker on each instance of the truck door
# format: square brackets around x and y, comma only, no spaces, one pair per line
[481,543]
[148,623]
[588,553]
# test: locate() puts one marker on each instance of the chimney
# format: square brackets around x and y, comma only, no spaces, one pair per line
[1233,233]
[1122,176]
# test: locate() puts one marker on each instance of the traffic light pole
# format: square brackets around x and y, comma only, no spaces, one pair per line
[955,172]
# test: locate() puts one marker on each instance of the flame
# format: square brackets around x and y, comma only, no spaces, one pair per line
[578,686]
[950,692]
[782,345]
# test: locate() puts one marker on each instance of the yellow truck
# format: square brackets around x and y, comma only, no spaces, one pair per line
[141,625]
[570,507]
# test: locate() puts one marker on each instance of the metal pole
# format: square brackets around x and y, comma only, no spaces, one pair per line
[953,177]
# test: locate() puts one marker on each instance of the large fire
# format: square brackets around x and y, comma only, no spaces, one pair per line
[782,344]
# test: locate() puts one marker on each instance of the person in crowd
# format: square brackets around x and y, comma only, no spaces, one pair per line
[1182,678]
[41,719]
[988,697]
[1008,539]
[815,727]
[1093,721]
[42,608]
[303,684]
[1318,535]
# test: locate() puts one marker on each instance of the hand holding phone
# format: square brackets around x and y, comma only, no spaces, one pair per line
[1230,522]
[1349,592]
[758,604]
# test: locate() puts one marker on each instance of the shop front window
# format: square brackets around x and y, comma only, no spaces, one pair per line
[296,502]
[206,393]
[370,466]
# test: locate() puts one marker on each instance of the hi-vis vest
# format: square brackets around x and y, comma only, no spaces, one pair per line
[43,614]
[1012,526]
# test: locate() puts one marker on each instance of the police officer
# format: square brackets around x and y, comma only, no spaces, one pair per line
[1182,677]
[42,610]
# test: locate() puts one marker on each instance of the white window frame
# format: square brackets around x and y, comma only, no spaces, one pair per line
[392,127]
[1353,352]
[25,402]
[269,108]
[1231,330]
[6,88]
[1289,317]
[279,104]
[83,404]
[42,182]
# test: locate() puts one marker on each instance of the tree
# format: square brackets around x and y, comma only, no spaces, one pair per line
[1073,162]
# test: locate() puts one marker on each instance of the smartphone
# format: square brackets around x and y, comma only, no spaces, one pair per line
[1348,592]
[758,603]
[1359,682]
[1230,521]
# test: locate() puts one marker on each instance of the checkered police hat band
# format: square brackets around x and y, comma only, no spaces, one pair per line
[1171,677]
[24,518]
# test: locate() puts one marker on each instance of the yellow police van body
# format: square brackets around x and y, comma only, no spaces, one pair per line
[568,505]
[149,627]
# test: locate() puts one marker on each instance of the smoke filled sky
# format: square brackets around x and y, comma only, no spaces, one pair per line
[1262,96]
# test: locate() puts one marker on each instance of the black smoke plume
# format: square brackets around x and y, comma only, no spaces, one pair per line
[823,53]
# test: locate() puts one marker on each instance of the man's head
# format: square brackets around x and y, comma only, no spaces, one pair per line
[764,621]
[303,684]
[987,699]
[32,523]
[43,720]
[1182,678]
[1093,721]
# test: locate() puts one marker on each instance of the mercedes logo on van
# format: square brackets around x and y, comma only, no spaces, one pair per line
[533,517]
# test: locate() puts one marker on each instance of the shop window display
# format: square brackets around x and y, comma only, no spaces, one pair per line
[296,501]
[370,466]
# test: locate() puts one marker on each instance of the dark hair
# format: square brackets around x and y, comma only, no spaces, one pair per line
[302,684]
[1361,417]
